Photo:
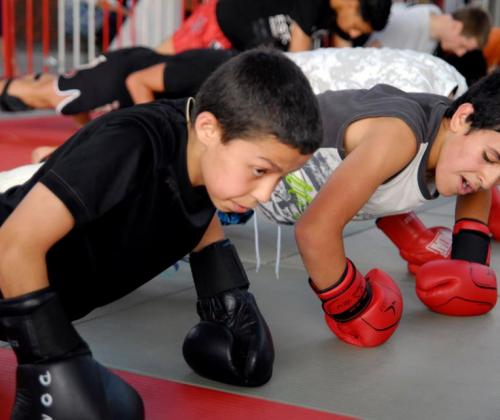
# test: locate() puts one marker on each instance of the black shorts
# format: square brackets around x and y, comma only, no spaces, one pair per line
[102,82]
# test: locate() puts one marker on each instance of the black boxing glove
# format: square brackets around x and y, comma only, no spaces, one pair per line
[57,377]
[232,342]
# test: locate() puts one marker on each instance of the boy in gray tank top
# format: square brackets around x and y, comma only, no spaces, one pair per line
[385,152]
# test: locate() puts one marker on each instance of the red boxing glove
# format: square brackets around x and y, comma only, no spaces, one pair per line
[494,218]
[362,311]
[464,285]
[457,287]
[416,243]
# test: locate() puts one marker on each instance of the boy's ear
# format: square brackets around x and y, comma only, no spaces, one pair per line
[207,128]
[459,121]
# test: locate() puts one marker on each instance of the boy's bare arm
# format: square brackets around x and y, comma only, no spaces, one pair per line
[142,84]
[213,234]
[382,147]
[299,40]
[474,206]
[39,221]
[166,47]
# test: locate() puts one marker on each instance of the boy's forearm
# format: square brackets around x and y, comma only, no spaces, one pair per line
[474,206]
[214,233]
[324,259]
[21,272]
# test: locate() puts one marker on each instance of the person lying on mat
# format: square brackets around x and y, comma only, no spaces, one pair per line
[137,75]
[110,82]
[129,76]
[290,25]
[385,152]
[126,197]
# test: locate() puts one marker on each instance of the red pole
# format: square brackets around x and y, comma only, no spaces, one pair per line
[9,36]
[7,45]
[105,27]
[45,32]
[29,34]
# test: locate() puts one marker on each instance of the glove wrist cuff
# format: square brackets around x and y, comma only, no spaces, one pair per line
[216,269]
[471,224]
[471,241]
[401,228]
[37,328]
[348,298]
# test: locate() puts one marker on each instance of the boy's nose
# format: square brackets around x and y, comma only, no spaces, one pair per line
[264,191]
[491,179]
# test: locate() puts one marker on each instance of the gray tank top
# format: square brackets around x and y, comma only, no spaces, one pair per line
[406,190]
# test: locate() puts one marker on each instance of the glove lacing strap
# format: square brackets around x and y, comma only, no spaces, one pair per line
[471,241]
[347,299]
[216,269]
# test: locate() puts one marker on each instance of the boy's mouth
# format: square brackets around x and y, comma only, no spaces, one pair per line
[466,187]
[238,208]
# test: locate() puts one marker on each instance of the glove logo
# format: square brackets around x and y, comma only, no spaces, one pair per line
[441,244]
[45,379]
[391,307]
[46,399]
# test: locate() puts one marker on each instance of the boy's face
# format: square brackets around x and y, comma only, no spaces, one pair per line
[240,174]
[459,45]
[454,42]
[349,18]
[468,162]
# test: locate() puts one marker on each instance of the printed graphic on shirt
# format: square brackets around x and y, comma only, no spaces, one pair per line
[274,30]
[298,189]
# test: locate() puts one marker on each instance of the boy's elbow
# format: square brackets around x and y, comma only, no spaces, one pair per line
[306,234]
[313,234]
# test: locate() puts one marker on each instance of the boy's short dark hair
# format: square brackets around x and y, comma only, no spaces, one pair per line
[375,12]
[476,23]
[260,93]
[484,97]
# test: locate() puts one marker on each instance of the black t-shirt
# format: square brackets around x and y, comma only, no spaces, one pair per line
[124,179]
[250,23]
[185,72]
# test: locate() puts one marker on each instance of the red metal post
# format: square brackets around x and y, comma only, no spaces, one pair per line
[8,65]
[9,35]
[45,33]
[29,34]
[105,27]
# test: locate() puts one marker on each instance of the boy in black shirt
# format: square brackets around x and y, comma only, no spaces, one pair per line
[289,25]
[107,82]
[124,199]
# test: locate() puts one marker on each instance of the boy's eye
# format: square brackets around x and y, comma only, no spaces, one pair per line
[487,158]
[259,171]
